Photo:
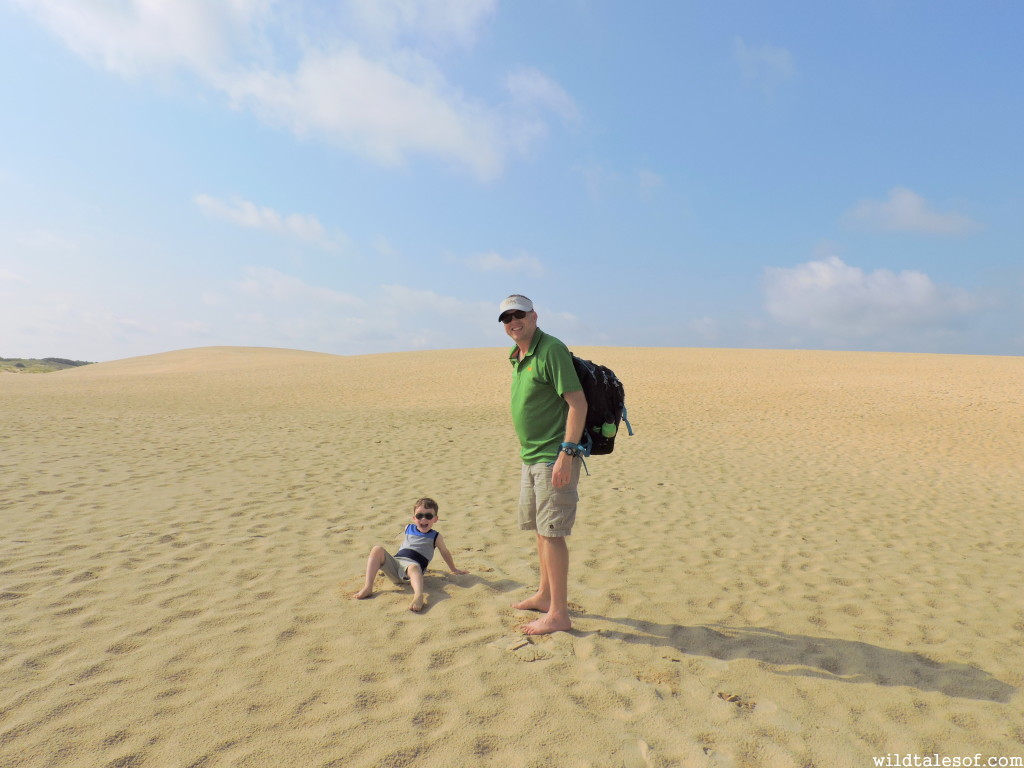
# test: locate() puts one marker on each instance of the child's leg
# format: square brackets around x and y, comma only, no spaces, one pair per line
[415,574]
[373,564]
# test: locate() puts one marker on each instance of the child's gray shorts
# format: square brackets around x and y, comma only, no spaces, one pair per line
[395,568]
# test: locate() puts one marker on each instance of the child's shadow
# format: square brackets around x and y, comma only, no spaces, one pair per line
[822,657]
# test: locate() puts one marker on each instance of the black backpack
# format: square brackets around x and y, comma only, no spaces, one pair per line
[606,407]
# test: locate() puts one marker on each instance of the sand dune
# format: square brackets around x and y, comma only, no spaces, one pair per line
[800,559]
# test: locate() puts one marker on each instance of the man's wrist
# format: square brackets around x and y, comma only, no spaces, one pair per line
[570,449]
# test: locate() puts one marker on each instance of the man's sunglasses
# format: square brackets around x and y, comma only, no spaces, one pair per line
[508,317]
[424,515]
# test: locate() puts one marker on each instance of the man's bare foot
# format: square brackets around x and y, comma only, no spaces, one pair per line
[535,603]
[545,625]
[363,593]
[417,603]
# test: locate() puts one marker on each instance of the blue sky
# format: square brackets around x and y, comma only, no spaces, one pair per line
[376,175]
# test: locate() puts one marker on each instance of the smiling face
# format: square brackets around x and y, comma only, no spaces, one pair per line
[520,330]
[420,519]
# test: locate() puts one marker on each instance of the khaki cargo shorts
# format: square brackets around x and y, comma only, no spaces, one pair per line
[543,508]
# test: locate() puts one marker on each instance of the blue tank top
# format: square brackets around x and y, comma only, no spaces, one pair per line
[418,547]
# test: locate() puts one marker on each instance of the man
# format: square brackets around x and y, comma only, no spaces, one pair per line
[549,410]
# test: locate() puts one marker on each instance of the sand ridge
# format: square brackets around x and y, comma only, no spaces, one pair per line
[801,558]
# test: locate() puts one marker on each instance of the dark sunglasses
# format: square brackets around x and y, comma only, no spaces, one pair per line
[509,316]
[424,515]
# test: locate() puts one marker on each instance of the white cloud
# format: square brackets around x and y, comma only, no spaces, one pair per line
[369,85]
[384,247]
[302,226]
[43,241]
[269,284]
[49,311]
[833,298]
[367,107]
[649,180]
[140,36]
[438,22]
[269,308]
[766,66]
[597,179]
[706,328]
[533,88]
[601,182]
[403,301]
[6,276]
[492,261]
[44,318]
[907,211]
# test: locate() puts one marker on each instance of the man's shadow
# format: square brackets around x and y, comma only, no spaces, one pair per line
[822,657]
[436,586]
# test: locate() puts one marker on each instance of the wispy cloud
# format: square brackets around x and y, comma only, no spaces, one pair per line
[137,38]
[648,180]
[301,226]
[48,317]
[269,307]
[44,241]
[269,284]
[433,22]
[765,66]
[367,107]
[491,261]
[597,179]
[842,301]
[533,88]
[376,88]
[907,211]
[7,276]
[602,182]
[384,247]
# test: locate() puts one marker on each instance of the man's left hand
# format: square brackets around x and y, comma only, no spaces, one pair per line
[561,474]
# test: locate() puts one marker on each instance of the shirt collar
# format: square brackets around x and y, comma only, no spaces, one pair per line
[537,334]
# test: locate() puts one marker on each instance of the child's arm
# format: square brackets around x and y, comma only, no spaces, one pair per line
[443,549]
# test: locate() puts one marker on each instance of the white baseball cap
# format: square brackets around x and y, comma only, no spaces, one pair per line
[515,301]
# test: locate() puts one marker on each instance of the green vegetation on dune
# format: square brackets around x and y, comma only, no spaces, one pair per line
[32,365]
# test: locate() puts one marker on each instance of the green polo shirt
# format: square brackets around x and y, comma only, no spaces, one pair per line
[538,410]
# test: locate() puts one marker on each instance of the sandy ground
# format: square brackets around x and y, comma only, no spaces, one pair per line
[800,559]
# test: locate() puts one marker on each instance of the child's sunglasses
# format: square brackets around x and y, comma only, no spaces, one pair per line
[424,515]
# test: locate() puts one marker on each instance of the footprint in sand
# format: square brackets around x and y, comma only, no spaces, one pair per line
[558,645]
[734,698]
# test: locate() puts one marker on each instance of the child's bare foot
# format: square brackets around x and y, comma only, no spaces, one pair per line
[545,625]
[417,603]
[535,603]
[363,593]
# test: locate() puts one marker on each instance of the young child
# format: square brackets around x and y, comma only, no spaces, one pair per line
[409,563]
